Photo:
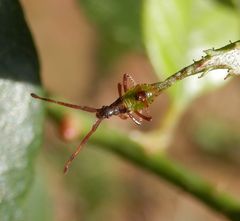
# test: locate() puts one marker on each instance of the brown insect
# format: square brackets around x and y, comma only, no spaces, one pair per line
[131,104]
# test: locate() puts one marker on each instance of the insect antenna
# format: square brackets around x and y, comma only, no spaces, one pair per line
[80,146]
[74,106]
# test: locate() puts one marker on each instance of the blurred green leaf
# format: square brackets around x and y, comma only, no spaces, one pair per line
[99,188]
[229,3]
[118,24]
[177,31]
[38,206]
[20,116]
[216,136]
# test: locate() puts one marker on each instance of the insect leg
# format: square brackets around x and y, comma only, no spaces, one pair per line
[136,121]
[123,116]
[147,118]
[127,77]
[120,89]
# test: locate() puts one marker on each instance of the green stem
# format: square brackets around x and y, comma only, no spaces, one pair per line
[159,165]
[227,57]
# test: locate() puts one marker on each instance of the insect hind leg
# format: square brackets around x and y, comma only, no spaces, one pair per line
[127,79]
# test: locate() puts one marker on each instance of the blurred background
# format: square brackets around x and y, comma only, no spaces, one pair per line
[85,47]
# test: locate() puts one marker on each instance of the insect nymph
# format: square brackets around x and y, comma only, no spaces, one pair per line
[130,104]
[137,97]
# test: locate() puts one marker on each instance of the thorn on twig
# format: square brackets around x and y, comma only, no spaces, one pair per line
[227,76]
[201,75]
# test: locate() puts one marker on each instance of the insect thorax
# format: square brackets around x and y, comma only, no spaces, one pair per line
[139,97]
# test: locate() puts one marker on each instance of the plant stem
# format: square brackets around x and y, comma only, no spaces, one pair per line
[227,57]
[161,166]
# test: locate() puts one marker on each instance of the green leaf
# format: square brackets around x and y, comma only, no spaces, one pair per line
[177,31]
[20,116]
[118,24]
[39,205]
[216,136]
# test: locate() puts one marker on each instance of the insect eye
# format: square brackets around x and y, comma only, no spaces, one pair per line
[141,96]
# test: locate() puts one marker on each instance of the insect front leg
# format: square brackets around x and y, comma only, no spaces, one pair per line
[147,118]
[134,119]
[123,116]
